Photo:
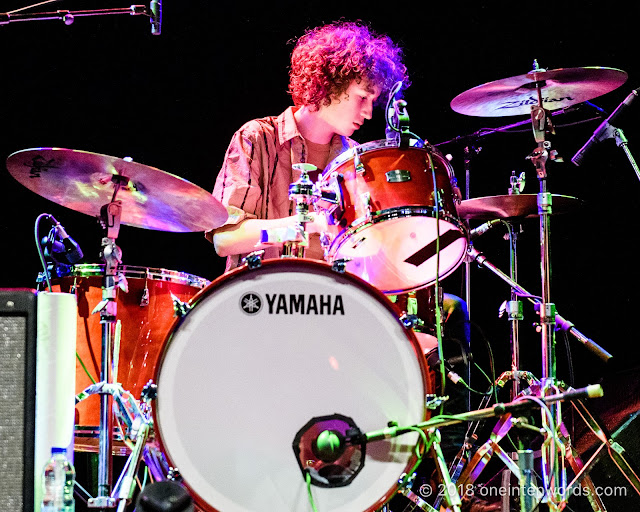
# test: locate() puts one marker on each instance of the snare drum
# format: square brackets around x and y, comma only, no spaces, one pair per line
[264,352]
[145,312]
[394,216]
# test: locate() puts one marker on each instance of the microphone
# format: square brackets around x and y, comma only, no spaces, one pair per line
[604,130]
[155,6]
[62,243]
[329,446]
[482,229]
[591,391]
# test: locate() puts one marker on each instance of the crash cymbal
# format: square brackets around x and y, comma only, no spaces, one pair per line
[513,206]
[82,181]
[560,88]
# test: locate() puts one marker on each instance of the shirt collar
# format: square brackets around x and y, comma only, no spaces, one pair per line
[288,130]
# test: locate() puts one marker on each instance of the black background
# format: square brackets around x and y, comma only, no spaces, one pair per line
[106,85]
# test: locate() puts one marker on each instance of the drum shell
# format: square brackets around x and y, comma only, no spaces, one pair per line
[208,295]
[389,195]
[145,313]
[386,223]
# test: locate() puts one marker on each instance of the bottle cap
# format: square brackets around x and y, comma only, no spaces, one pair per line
[57,449]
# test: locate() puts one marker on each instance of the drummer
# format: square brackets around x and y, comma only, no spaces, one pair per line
[338,73]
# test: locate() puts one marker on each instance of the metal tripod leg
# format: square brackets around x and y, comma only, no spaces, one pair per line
[615,451]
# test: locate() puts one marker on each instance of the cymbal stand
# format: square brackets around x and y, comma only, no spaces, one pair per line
[541,124]
[110,215]
[513,307]
[469,151]
[536,389]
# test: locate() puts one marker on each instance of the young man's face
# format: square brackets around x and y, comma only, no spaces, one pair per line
[348,112]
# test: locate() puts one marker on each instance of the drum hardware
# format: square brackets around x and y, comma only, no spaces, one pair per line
[68,17]
[330,445]
[475,466]
[253,259]
[295,240]
[126,192]
[607,130]
[397,120]
[561,323]
[398,176]
[339,265]
[519,95]
[180,308]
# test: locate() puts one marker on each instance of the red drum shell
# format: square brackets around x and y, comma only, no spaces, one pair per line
[143,329]
[386,223]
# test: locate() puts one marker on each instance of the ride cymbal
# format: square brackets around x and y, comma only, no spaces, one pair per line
[560,88]
[84,182]
[512,206]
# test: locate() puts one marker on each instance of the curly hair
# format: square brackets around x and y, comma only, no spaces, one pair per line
[326,59]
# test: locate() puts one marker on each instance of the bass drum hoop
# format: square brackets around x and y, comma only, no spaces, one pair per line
[133,272]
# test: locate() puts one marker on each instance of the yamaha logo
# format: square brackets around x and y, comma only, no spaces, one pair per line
[251,303]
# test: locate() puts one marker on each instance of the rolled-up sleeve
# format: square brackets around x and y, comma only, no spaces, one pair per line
[238,184]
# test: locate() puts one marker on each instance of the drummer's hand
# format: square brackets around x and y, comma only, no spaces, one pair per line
[318,224]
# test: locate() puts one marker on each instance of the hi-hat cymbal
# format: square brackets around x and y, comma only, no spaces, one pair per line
[560,88]
[513,206]
[83,181]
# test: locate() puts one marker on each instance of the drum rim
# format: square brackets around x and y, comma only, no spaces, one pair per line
[389,214]
[136,272]
[272,264]
[373,145]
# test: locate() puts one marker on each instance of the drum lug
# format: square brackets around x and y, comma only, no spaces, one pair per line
[411,321]
[366,202]
[253,259]
[174,475]
[358,165]
[149,392]
[433,402]
[102,502]
[144,300]
[340,265]
[180,308]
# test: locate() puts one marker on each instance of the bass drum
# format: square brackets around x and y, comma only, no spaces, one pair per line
[260,356]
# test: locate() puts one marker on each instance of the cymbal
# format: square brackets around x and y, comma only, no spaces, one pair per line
[560,88]
[513,206]
[83,181]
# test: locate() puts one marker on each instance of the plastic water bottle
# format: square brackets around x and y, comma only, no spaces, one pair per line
[58,480]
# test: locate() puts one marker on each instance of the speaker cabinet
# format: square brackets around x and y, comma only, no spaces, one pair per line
[18,326]
[616,492]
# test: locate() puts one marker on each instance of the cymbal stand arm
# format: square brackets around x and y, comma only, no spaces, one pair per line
[561,322]
[66,16]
